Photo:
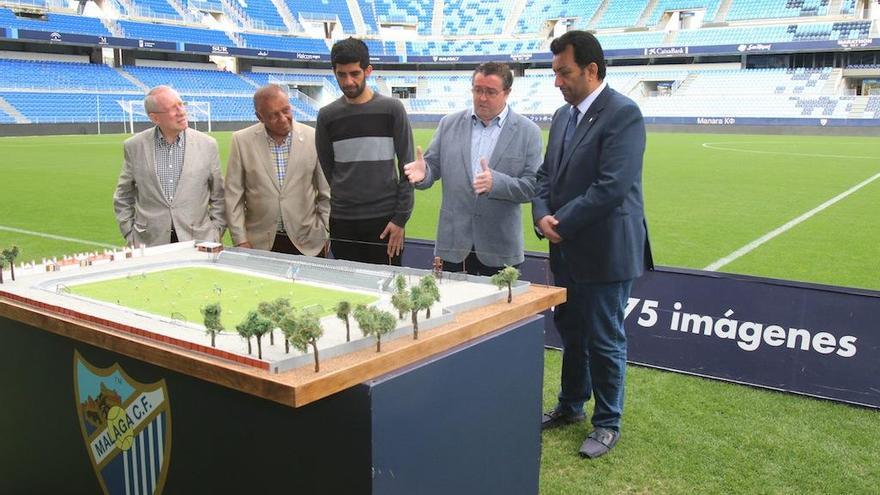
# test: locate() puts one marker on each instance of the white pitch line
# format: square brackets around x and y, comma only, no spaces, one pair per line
[770,235]
[56,237]
[714,146]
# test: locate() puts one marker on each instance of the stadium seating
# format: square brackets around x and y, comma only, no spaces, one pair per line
[165,32]
[622,13]
[192,81]
[418,12]
[709,6]
[473,47]
[323,10]
[263,15]
[284,43]
[58,107]
[536,12]
[769,9]
[25,74]
[62,23]
[470,17]
[156,9]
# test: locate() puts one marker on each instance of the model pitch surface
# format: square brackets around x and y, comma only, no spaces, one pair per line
[180,293]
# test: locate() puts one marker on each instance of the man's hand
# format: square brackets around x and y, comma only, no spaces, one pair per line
[547,226]
[483,180]
[415,170]
[395,239]
[245,244]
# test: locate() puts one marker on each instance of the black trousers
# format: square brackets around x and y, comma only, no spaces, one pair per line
[472,266]
[358,240]
[283,244]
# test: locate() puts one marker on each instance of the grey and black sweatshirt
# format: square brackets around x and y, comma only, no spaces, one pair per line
[357,146]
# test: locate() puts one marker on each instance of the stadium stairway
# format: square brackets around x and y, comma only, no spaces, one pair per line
[515,13]
[834,7]
[13,112]
[357,17]
[597,16]
[646,14]
[247,80]
[176,5]
[437,26]
[857,110]
[287,16]
[131,78]
[723,9]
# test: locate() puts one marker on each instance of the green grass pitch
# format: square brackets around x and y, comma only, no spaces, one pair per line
[183,291]
[706,195]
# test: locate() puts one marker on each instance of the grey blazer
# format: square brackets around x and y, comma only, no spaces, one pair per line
[491,223]
[196,212]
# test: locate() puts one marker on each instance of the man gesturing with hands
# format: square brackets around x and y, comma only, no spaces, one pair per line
[480,225]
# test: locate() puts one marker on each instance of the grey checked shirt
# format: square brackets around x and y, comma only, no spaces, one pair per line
[169,162]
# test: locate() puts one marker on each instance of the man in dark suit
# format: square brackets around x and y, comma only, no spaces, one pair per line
[589,205]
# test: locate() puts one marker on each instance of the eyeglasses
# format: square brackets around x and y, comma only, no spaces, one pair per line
[487,92]
[176,108]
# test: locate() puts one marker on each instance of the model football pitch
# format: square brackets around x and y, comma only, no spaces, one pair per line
[180,293]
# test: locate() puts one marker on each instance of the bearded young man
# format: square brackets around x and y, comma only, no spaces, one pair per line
[363,140]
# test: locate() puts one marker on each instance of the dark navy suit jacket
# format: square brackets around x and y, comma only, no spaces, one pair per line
[594,190]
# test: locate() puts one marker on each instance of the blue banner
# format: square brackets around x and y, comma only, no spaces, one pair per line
[84,39]
[808,339]
[255,53]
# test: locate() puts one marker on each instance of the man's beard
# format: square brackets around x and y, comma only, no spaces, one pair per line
[356,91]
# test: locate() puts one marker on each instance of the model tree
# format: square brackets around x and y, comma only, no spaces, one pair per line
[274,311]
[9,255]
[260,326]
[507,276]
[213,326]
[400,298]
[401,302]
[305,331]
[400,283]
[430,291]
[384,324]
[253,325]
[2,265]
[419,300]
[374,322]
[343,310]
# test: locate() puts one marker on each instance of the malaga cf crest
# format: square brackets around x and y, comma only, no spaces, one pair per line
[126,426]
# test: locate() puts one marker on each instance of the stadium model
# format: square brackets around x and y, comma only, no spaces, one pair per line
[157,292]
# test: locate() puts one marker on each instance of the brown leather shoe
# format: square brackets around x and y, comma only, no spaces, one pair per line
[599,442]
[554,419]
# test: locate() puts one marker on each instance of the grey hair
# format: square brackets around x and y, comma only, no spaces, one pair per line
[266,91]
[150,105]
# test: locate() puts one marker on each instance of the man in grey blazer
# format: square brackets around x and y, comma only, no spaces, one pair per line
[486,158]
[170,186]
[589,206]
[276,194]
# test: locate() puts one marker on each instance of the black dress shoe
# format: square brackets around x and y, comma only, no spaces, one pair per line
[554,419]
[599,442]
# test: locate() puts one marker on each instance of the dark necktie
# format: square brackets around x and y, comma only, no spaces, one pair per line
[569,129]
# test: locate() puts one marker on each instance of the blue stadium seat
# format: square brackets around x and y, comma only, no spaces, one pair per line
[62,23]
[164,32]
